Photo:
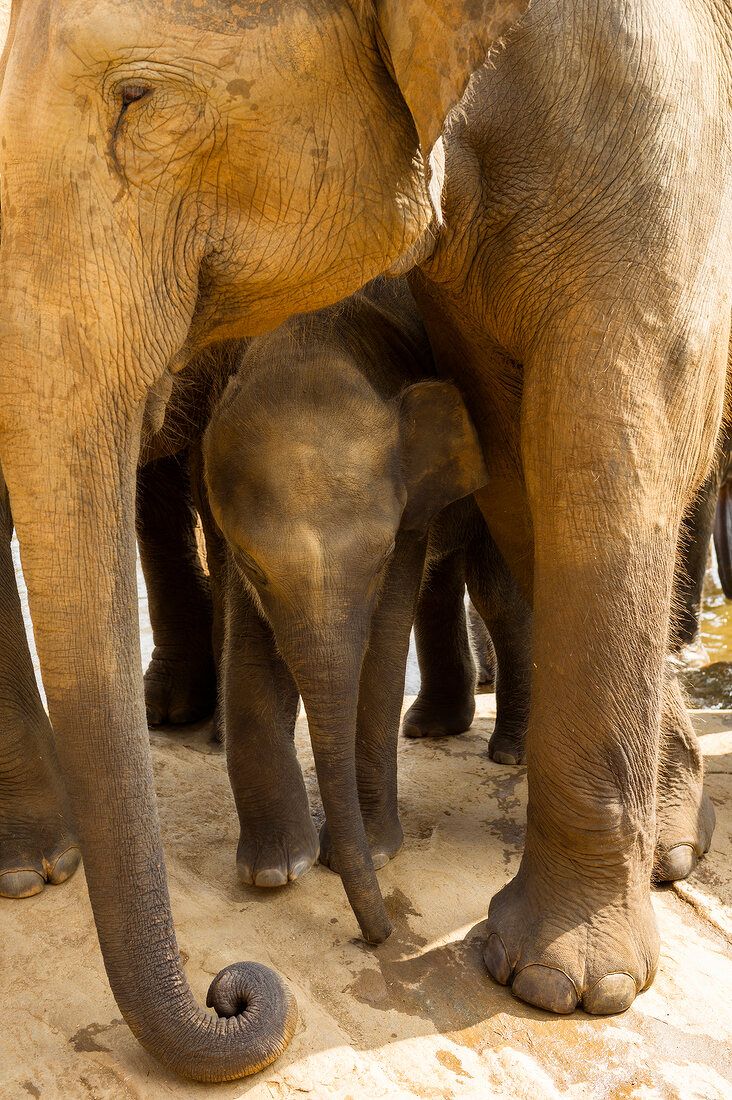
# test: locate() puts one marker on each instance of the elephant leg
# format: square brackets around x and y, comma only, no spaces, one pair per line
[483,650]
[180,681]
[576,924]
[684,813]
[506,614]
[37,843]
[380,699]
[218,567]
[277,842]
[446,701]
[691,563]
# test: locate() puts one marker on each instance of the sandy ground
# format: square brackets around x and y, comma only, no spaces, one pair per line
[416,1017]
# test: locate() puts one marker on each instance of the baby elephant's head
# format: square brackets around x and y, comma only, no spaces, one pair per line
[312,473]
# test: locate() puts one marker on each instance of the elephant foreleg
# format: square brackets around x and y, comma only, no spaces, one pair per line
[37,843]
[576,924]
[180,681]
[277,839]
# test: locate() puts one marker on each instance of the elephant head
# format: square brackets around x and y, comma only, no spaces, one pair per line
[175,173]
[314,477]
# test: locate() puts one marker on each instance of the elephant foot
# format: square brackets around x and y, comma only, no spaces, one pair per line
[439,717]
[384,835]
[684,813]
[180,684]
[278,853]
[37,845]
[560,948]
[507,746]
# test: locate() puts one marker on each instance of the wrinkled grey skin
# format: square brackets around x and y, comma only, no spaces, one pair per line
[326,461]
[184,603]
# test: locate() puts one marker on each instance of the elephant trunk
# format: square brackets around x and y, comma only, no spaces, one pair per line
[327,674]
[70,464]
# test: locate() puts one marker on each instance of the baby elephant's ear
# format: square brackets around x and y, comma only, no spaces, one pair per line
[442,457]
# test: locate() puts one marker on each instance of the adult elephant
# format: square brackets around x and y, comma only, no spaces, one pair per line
[174,174]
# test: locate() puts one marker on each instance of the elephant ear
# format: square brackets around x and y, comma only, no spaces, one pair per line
[441,455]
[434,48]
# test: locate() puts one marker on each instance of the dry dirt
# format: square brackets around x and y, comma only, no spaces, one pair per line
[416,1017]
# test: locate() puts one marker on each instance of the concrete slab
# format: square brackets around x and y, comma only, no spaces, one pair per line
[416,1017]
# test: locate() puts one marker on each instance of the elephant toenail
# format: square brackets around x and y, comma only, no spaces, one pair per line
[271,876]
[613,993]
[495,957]
[546,987]
[379,859]
[300,868]
[677,863]
[501,757]
[21,884]
[64,866]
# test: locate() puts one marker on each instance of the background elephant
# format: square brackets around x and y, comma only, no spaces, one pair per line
[325,474]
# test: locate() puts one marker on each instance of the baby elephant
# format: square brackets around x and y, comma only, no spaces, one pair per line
[326,460]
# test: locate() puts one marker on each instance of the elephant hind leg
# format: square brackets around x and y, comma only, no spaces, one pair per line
[446,701]
[507,616]
[180,681]
[576,925]
[684,813]
[37,843]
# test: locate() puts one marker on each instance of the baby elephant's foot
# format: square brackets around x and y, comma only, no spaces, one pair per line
[273,854]
[180,685]
[561,949]
[439,717]
[384,834]
[37,845]
[507,746]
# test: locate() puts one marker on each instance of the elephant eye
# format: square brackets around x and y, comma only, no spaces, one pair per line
[131,93]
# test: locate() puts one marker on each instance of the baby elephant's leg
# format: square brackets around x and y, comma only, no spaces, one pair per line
[446,701]
[381,693]
[180,681]
[505,612]
[277,840]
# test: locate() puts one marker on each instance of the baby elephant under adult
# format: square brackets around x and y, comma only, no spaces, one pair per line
[325,471]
